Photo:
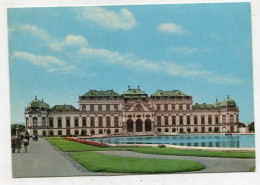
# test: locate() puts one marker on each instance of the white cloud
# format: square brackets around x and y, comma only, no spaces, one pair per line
[52,42]
[171,28]
[123,19]
[49,63]
[188,50]
[171,68]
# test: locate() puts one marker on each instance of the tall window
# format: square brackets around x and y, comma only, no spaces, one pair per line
[173,106]
[188,106]
[195,120]
[76,122]
[216,120]
[84,122]
[223,118]
[44,121]
[173,120]
[180,106]
[166,120]
[116,121]
[209,120]
[91,107]
[116,107]
[99,107]
[158,107]
[92,121]
[107,107]
[35,120]
[165,106]
[202,120]
[59,123]
[158,120]
[231,117]
[68,122]
[100,121]
[188,120]
[51,122]
[108,121]
[84,107]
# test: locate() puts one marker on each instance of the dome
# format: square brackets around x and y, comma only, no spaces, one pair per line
[216,104]
[228,102]
[35,104]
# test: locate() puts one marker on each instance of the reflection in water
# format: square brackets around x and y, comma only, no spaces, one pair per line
[237,141]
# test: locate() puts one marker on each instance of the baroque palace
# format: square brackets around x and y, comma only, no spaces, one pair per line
[132,113]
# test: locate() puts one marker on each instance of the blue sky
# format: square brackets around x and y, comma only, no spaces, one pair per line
[204,50]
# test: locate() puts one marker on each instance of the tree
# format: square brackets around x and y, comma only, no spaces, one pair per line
[252,127]
[216,129]
[21,128]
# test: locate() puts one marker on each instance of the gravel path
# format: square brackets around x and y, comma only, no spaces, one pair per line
[212,164]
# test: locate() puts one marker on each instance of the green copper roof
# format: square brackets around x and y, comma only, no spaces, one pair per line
[38,104]
[134,93]
[228,102]
[101,93]
[202,106]
[169,93]
[64,108]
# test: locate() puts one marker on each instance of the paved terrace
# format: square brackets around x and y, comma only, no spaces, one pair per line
[43,160]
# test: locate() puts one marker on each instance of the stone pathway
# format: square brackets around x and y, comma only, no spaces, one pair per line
[42,160]
[212,164]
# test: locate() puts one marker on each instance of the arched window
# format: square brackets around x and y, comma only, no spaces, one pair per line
[188,130]
[129,125]
[116,130]
[59,132]
[108,131]
[188,120]
[180,106]
[173,120]
[92,132]
[44,132]
[181,130]
[35,121]
[139,125]
[100,121]
[148,125]
[67,121]
[166,121]
[76,132]
[173,129]
[223,118]
[166,130]
[100,131]
[108,121]
[92,121]
[44,121]
[231,117]
[210,129]
[84,122]
[116,121]
[51,133]
[159,129]
[195,129]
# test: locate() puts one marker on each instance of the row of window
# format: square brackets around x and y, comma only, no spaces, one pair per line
[99,107]
[173,106]
[76,132]
[181,130]
[195,119]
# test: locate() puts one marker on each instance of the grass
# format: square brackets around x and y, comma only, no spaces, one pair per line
[70,146]
[199,153]
[252,169]
[97,162]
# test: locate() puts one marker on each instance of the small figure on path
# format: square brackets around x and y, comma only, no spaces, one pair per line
[25,144]
[33,137]
[13,144]
[36,137]
[18,143]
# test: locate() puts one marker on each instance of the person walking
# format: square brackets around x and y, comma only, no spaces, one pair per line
[36,137]
[28,138]
[18,143]
[13,144]
[33,137]
[25,144]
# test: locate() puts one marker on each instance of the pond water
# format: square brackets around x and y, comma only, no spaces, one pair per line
[218,140]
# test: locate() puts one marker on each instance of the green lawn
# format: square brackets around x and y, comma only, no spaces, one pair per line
[70,146]
[200,153]
[97,162]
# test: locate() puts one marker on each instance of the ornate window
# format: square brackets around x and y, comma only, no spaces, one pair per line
[231,117]
[116,107]
[202,120]
[108,121]
[195,120]
[216,120]
[84,107]
[173,106]
[223,118]
[173,120]
[158,107]
[59,122]
[92,121]
[158,120]
[180,106]
[181,120]
[209,119]
[44,121]
[68,122]
[100,121]
[116,121]
[35,121]
[99,107]
[107,107]
[188,106]
[166,121]
[188,120]
[84,122]
[91,107]
[165,106]
[76,122]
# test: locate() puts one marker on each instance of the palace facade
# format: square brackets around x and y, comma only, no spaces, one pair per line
[132,113]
